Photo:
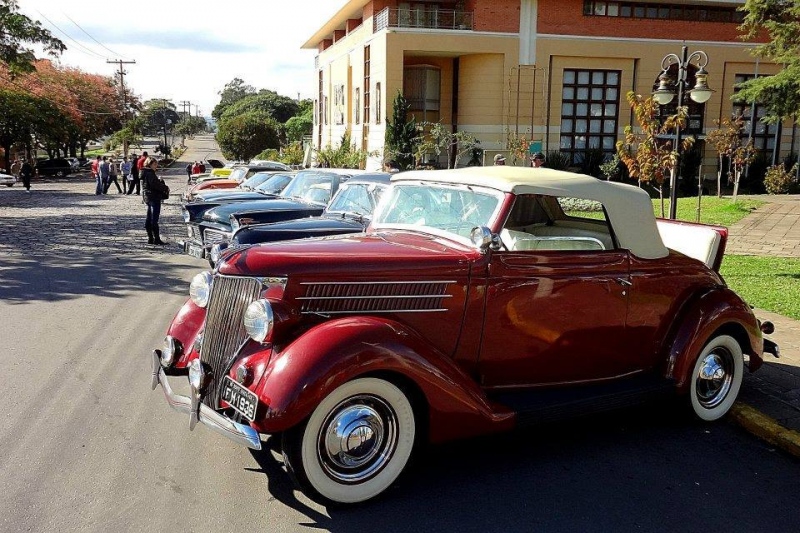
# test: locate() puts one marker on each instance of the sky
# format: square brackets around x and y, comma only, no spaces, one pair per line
[188,50]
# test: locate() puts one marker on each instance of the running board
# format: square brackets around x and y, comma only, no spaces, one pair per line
[535,406]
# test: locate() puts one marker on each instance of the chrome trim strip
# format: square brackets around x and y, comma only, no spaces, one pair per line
[371,282]
[398,297]
[238,433]
[370,311]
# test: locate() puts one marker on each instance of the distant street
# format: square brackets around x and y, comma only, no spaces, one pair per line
[87,446]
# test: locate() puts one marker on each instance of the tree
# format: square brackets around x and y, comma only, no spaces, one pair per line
[234,90]
[440,139]
[346,155]
[281,108]
[19,111]
[647,157]
[244,136]
[402,135]
[16,31]
[780,93]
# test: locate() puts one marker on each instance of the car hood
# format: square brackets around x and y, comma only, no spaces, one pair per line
[229,195]
[256,209]
[297,229]
[356,256]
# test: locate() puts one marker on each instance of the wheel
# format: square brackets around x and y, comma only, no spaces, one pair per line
[355,443]
[717,378]
[61,174]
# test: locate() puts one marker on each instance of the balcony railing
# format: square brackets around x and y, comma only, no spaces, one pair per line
[438,19]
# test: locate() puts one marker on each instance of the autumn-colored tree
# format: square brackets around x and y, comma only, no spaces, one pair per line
[518,147]
[648,156]
[17,31]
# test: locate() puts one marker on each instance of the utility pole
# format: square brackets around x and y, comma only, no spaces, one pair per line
[186,103]
[122,73]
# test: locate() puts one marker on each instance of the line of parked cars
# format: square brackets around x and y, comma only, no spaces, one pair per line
[439,305]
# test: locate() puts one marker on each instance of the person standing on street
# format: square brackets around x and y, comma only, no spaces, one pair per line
[113,170]
[15,168]
[202,167]
[103,172]
[125,170]
[196,168]
[537,160]
[98,189]
[499,160]
[26,172]
[134,175]
[188,173]
[153,190]
[140,161]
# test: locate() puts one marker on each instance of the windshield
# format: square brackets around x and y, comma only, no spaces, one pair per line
[255,180]
[438,208]
[238,173]
[357,198]
[311,187]
[275,184]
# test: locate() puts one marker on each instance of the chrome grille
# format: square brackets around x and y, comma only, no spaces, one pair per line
[194,232]
[374,297]
[213,237]
[224,330]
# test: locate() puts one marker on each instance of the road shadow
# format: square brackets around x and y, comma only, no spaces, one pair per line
[648,468]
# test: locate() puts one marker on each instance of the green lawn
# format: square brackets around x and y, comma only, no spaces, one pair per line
[771,283]
[713,210]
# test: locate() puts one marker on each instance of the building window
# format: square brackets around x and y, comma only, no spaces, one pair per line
[357,107]
[603,8]
[326,109]
[589,111]
[421,87]
[377,103]
[366,84]
[338,104]
[763,135]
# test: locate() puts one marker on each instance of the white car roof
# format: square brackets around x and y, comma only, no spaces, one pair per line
[629,208]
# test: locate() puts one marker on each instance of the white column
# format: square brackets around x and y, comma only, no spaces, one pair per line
[527,31]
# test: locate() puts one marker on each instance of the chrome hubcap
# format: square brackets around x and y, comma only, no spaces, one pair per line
[357,439]
[713,381]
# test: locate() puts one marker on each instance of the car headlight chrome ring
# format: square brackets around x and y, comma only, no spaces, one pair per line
[170,352]
[200,288]
[259,320]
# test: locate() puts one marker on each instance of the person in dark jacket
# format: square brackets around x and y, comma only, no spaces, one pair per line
[153,190]
[26,173]
[134,181]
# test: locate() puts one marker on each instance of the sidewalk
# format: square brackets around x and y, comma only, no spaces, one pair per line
[769,403]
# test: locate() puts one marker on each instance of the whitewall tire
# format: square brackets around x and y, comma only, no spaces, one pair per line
[716,378]
[355,443]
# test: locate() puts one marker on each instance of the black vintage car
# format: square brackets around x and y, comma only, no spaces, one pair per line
[306,196]
[350,211]
[57,167]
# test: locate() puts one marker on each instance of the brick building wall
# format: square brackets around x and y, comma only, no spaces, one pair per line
[494,15]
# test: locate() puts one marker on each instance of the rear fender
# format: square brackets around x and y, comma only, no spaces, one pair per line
[304,372]
[719,309]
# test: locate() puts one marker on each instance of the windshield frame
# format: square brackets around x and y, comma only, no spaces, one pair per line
[378,214]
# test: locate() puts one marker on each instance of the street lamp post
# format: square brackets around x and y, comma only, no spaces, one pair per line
[700,93]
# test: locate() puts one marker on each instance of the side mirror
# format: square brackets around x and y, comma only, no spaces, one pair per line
[484,239]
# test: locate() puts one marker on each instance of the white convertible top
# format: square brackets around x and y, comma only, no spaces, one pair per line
[629,208]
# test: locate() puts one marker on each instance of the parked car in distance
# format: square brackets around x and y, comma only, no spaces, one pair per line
[305,196]
[349,211]
[479,300]
[250,184]
[7,179]
[58,167]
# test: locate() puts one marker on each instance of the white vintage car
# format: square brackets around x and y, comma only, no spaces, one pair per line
[7,179]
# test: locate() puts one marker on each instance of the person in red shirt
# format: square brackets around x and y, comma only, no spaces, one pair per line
[140,162]
[196,168]
[96,175]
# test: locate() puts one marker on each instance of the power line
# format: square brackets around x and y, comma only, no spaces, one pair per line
[92,38]
[89,51]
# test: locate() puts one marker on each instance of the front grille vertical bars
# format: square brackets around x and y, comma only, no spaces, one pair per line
[224,329]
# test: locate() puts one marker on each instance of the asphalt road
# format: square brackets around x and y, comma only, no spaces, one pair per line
[85,445]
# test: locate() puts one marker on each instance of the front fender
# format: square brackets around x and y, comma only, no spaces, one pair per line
[716,309]
[186,325]
[304,372]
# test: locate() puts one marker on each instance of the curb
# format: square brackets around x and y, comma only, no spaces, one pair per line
[765,428]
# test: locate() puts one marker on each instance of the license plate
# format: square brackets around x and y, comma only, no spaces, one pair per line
[242,400]
[194,250]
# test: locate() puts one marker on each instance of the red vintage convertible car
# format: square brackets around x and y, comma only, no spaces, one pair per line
[480,299]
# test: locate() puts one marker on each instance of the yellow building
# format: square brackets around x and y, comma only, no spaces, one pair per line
[555,72]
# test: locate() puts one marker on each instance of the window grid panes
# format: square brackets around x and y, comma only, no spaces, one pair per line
[366,84]
[603,8]
[589,111]
[763,135]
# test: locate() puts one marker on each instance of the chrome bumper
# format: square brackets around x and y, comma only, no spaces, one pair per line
[199,412]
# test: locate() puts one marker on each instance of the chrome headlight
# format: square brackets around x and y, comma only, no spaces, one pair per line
[216,252]
[258,320]
[200,288]
[185,213]
[170,351]
[196,374]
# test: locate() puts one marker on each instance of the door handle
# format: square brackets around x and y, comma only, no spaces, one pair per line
[624,282]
